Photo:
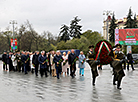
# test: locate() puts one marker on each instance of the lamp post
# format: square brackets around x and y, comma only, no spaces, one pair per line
[13,22]
[107,13]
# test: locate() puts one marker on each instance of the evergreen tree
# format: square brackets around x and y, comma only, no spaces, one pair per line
[129,23]
[112,27]
[64,33]
[135,22]
[75,28]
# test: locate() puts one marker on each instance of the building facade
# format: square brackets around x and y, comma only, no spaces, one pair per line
[120,25]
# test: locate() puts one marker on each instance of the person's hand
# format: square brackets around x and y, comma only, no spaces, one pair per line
[128,60]
[57,62]
[69,65]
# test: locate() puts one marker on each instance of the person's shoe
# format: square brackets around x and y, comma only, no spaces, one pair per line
[114,83]
[133,69]
[93,84]
[119,88]
[58,78]
[82,75]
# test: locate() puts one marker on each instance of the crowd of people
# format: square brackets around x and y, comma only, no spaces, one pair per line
[51,63]
[56,64]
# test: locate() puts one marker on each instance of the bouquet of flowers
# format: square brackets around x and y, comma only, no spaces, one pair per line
[61,60]
[64,63]
[27,59]
[4,63]
[75,60]
[33,65]
[83,61]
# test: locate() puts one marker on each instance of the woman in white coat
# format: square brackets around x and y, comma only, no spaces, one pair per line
[14,61]
[64,63]
[53,64]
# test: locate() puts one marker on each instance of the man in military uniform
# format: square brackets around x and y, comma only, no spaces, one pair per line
[19,62]
[92,63]
[118,71]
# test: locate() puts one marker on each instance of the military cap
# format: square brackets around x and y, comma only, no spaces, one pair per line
[91,46]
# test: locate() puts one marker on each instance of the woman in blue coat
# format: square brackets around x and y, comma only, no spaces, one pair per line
[81,63]
[43,64]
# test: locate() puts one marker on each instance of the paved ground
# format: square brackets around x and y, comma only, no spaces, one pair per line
[17,87]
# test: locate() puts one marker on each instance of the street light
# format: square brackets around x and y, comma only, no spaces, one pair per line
[107,13]
[13,22]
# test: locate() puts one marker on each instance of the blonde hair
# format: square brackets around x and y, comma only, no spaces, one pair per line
[68,52]
[64,53]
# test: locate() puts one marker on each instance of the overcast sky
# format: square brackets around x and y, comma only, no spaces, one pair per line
[49,15]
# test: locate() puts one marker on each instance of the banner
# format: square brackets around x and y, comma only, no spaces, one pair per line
[126,36]
[13,44]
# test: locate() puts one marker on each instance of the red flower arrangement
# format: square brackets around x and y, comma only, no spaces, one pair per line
[102,50]
[65,62]
[61,60]
[75,60]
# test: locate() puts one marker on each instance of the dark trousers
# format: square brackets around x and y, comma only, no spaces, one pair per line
[131,65]
[11,67]
[43,71]
[118,79]
[25,69]
[50,71]
[36,69]
[22,67]
[5,65]
[72,69]
[58,71]
[68,71]
[19,66]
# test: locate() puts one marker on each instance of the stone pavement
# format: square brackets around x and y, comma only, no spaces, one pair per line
[17,87]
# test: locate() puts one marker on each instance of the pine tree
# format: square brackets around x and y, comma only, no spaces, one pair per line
[75,28]
[135,22]
[64,33]
[112,27]
[129,23]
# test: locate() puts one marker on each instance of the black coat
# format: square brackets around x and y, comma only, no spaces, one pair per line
[24,58]
[129,57]
[9,61]
[35,59]
[71,58]
[4,58]
[57,59]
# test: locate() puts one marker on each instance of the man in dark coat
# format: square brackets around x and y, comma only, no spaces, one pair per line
[4,59]
[130,60]
[9,61]
[71,60]
[35,62]
[24,60]
[28,61]
[43,64]
[57,60]
[49,60]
